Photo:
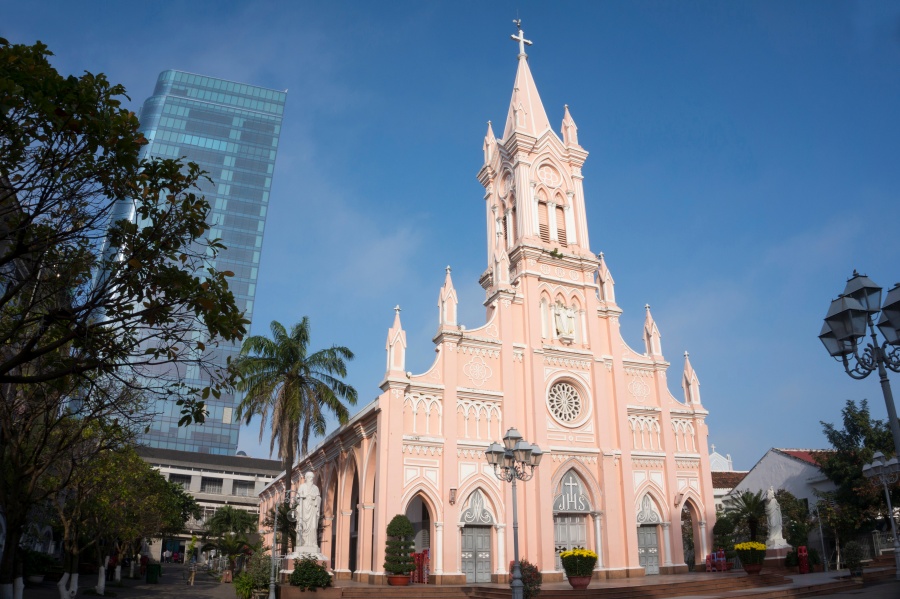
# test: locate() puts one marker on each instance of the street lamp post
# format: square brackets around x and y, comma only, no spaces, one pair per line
[515,460]
[288,496]
[886,472]
[844,330]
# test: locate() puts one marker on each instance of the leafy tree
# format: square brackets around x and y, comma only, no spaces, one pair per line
[106,272]
[747,509]
[280,376]
[859,501]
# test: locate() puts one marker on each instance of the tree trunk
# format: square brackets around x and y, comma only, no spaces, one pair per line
[9,561]
[101,580]
[18,587]
[68,592]
[118,574]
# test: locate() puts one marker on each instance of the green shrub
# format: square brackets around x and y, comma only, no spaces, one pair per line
[397,559]
[531,578]
[814,558]
[852,553]
[37,563]
[792,559]
[259,569]
[309,575]
[243,586]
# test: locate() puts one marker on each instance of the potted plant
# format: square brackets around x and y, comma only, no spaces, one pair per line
[36,565]
[579,566]
[398,562]
[852,554]
[752,555]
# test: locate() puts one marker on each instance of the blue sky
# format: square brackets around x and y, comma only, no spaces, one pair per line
[744,160]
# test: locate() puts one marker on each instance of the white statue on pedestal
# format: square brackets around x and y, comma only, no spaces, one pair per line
[309,501]
[775,539]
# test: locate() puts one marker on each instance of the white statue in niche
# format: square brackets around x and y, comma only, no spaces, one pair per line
[564,319]
[775,539]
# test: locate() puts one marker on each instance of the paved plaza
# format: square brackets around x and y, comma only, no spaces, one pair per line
[172,585]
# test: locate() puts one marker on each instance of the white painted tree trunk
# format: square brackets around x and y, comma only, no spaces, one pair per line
[118,575]
[6,591]
[101,580]
[18,587]
[68,592]
[133,564]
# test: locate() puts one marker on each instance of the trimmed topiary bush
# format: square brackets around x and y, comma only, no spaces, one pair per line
[397,558]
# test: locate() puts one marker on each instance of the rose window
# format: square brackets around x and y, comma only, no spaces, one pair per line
[564,402]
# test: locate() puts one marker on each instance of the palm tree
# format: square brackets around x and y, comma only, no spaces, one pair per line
[280,376]
[747,508]
[230,519]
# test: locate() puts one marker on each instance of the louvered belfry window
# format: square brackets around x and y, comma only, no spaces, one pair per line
[561,226]
[543,222]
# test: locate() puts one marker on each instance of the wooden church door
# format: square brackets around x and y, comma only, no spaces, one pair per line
[570,509]
[648,520]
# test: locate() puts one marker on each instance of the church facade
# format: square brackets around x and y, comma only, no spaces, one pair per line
[625,462]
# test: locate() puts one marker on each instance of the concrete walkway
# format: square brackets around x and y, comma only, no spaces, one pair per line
[172,585]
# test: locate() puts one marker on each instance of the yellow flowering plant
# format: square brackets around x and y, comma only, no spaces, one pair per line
[578,561]
[751,552]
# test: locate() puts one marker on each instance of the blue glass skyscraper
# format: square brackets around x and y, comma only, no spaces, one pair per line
[231,131]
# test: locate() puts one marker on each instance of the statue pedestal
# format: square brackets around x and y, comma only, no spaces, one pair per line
[775,556]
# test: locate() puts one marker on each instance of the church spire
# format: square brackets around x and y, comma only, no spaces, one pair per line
[447,303]
[690,383]
[490,144]
[651,335]
[396,347]
[526,112]
[569,130]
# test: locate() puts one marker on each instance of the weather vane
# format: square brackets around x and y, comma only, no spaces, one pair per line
[521,37]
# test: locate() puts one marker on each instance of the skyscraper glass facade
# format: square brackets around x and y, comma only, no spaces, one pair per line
[231,131]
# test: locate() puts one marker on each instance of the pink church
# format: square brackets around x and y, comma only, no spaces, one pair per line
[625,464]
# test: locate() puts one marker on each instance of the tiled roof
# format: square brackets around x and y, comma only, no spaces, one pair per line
[805,455]
[727,480]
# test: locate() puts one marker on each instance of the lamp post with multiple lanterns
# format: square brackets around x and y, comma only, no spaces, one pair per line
[848,320]
[886,473]
[515,460]
[289,497]
[844,331]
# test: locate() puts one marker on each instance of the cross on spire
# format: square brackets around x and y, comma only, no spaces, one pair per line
[520,38]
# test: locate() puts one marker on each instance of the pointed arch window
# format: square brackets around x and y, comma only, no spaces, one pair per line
[561,226]
[543,222]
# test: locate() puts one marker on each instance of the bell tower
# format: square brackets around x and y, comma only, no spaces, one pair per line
[534,206]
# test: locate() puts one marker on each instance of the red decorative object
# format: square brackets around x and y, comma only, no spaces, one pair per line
[803,557]
[579,582]
[752,568]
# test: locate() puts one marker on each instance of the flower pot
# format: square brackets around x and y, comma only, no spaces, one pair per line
[579,582]
[752,568]
[398,580]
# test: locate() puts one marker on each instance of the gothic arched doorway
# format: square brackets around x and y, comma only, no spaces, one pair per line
[648,520]
[419,516]
[477,521]
[571,507]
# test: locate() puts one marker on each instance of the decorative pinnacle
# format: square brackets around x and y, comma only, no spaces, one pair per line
[647,307]
[448,269]
[687,355]
[397,309]
[520,38]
